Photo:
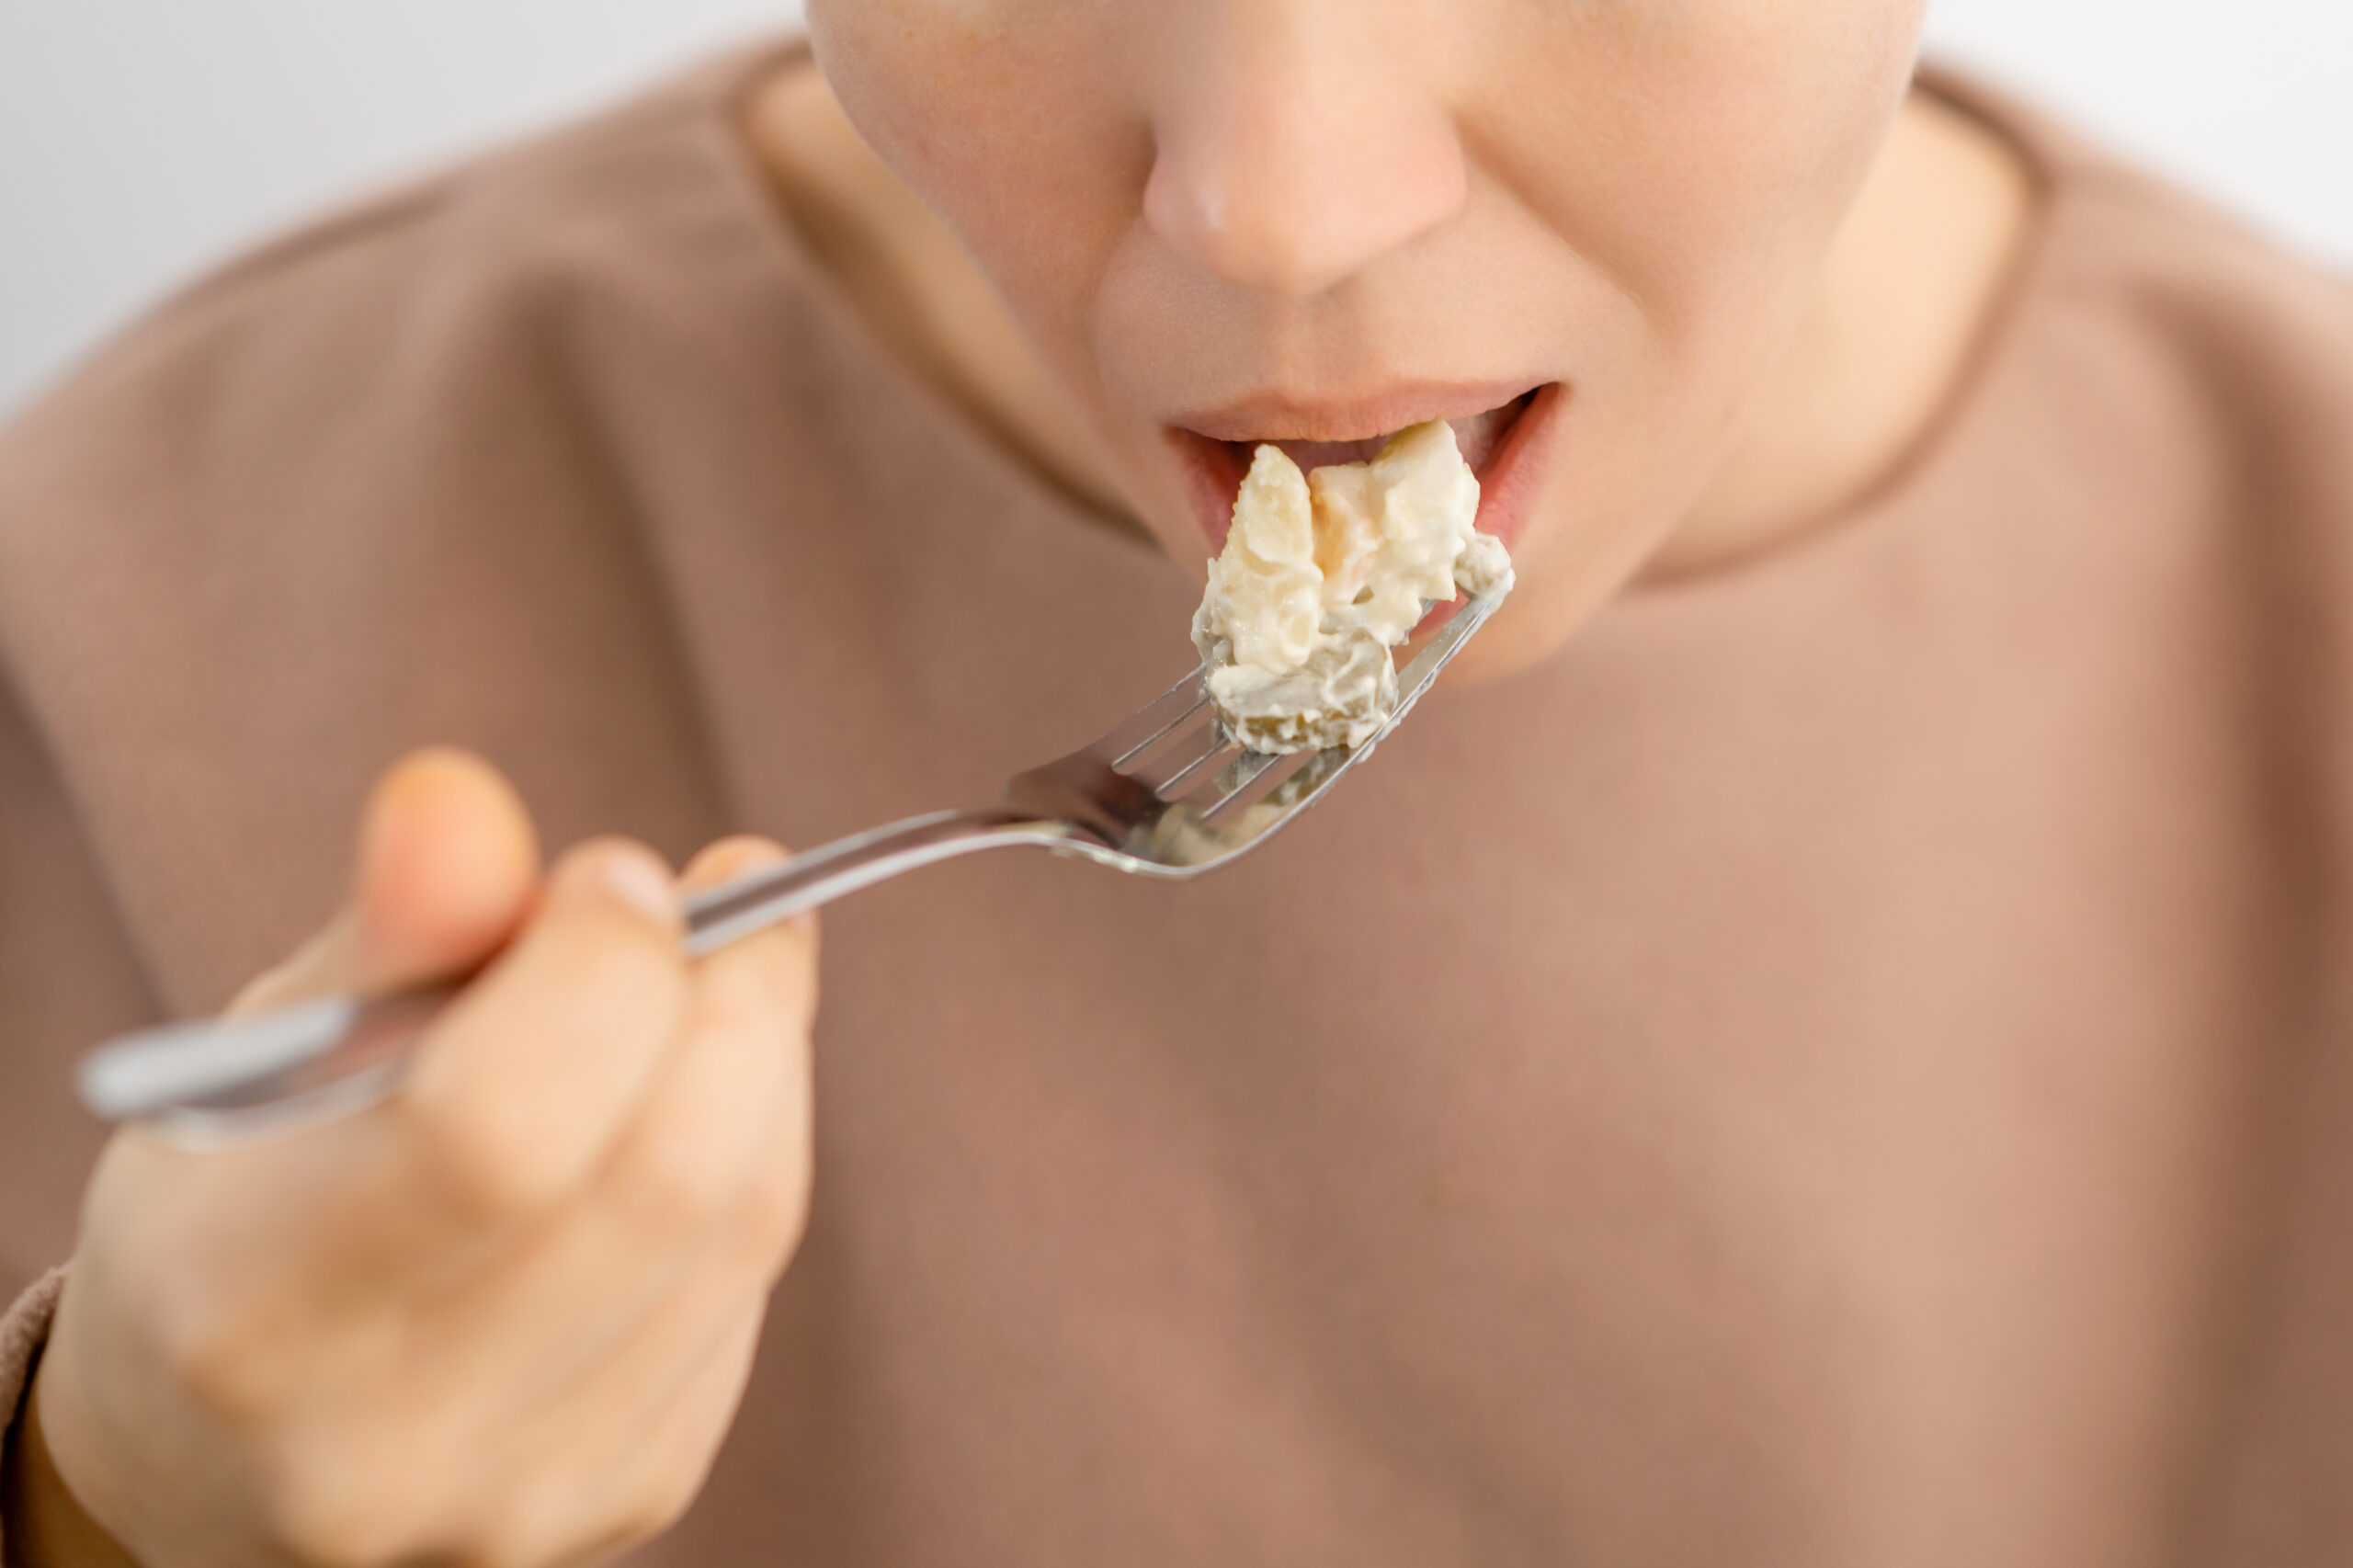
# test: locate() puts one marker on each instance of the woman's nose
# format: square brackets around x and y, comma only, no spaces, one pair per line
[1298,155]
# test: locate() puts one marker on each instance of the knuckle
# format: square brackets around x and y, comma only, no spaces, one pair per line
[599,974]
[663,1504]
[205,1339]
[621,948]
[508,1112]
[765,988]
[603,938]
[677,1183]
[790,967]
[500,1549]
[725,859]
[321,964]
[328,1511]
[773,1216]
[545,1519]
[490,1157]
[325,1540]
[673,1176]
[623,990]
[765,993]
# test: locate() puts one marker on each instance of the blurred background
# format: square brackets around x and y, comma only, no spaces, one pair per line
[141,140]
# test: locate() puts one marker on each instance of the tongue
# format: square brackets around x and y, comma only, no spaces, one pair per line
[1477,437]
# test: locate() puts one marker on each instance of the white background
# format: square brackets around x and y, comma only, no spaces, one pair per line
[140,140]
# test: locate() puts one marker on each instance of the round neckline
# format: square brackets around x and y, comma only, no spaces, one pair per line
[1943,442]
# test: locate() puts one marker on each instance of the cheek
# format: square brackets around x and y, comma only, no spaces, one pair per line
[1702,155]
[1010,121]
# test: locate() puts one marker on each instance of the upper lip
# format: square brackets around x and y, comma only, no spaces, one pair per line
[1284,416]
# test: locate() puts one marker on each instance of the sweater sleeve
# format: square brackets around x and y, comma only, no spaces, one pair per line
[68,977]
[24,1327]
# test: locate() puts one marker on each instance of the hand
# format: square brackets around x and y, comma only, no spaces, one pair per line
[504,1318]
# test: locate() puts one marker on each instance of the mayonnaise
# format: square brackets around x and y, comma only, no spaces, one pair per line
[1323,574]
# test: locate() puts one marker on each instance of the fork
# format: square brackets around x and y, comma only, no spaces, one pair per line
[1166,794]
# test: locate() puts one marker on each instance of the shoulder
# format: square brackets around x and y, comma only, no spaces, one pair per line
[2152,471]
[2167,364]
[2223,359]
[449,280]
[2266,335]
[2233,351]
[2131,264]
[381,484]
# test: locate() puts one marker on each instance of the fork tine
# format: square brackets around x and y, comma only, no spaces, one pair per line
[1423,669]
[1220,752]
[1181,737]
[1176,749]
[1219,788]
[1252,780]
[1253,776]
[1153,721]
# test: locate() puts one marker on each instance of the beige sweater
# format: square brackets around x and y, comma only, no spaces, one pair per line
[1860,1071]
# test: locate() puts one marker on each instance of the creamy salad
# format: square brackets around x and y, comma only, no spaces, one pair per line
[1323,574]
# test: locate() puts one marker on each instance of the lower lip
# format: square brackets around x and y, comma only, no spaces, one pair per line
[1515,473]
[1508,488]
[1507,484]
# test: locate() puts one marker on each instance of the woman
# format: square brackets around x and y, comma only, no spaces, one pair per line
[1840,1063]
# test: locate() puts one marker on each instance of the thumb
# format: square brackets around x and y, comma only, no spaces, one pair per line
[447,868]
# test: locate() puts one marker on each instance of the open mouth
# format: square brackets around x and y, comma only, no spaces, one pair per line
[1504,445]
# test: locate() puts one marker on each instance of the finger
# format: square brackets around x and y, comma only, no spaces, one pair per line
[708,1304]
[447,868]
[622,1455]
[674,1182]
[682,1166]
[600,1339]
[589,1282]
[519,1092]
[448,865]
[727,859]
[323,964]
[666,1469]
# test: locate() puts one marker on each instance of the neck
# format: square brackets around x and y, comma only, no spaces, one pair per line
[1906,296]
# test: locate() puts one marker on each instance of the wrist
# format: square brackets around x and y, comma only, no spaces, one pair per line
[41,1522]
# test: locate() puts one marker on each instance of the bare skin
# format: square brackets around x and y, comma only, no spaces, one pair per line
[1756,310]
[1752,266]
[506,1318]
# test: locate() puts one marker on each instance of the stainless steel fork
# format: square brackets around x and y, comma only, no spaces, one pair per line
[1164,794]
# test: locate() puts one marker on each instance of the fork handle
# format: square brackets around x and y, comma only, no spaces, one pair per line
[218,1081]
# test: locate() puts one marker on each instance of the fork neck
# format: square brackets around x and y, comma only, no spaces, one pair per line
[779,892]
